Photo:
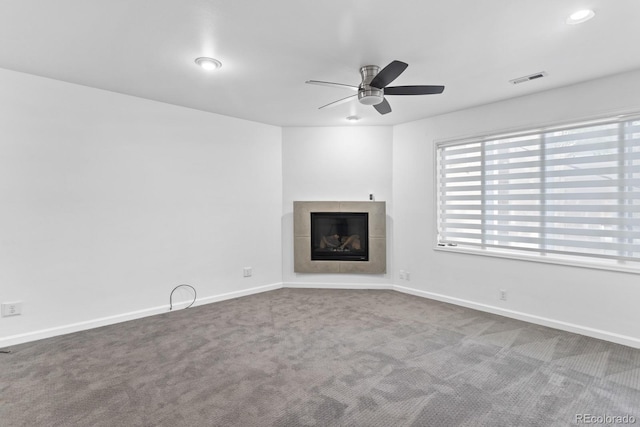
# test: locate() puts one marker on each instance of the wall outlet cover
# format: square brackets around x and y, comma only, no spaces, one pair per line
[11,308]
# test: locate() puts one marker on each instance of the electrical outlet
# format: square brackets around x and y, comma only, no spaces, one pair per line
[11,309]
[402,275]
[503,294]
[247,271]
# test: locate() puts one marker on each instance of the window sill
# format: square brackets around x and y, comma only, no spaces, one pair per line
[547,259]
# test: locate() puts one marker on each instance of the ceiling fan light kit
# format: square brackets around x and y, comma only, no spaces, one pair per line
[375,84]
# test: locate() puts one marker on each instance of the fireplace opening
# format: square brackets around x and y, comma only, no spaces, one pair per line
[339,236]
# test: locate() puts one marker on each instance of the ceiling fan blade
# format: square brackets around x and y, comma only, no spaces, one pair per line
[383,107]
[388,74]
[339,101]
[339,85]
[413,90]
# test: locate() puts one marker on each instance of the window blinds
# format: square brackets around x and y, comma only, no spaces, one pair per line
[571,191]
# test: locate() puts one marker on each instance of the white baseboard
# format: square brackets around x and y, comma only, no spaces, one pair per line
[104,321]
[118,318]
[538,320]
[238,294]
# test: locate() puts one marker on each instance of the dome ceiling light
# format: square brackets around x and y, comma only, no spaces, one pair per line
[580,16]
[209,64]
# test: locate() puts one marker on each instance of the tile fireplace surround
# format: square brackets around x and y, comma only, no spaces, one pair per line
[377,263]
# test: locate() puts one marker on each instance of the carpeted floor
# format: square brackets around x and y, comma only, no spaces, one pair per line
[298,357]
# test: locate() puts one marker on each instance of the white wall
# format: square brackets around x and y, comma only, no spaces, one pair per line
[337,163]
[109,201]
[595,302]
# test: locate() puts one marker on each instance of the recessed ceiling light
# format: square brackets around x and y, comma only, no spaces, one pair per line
[353,118]
[208,64]
[580,16]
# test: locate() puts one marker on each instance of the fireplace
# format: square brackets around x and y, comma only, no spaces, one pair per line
[360,227]
[339,236]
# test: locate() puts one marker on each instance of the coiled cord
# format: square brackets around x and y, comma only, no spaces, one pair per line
[195,295]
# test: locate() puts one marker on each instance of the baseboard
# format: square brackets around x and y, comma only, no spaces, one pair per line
[238,294]
[327,285]
[118,318]
[104,321]
[538,320]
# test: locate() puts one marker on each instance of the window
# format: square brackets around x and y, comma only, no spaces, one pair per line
[560,194]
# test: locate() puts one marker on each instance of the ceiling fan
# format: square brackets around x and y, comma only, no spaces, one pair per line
[375,85]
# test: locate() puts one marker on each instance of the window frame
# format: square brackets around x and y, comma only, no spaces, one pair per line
[583,261]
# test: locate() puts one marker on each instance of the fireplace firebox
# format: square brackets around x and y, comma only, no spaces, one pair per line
[339,236]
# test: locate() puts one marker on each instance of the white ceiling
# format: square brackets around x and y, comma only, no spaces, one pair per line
[146,48]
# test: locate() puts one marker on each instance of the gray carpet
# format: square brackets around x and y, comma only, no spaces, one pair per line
[297,357]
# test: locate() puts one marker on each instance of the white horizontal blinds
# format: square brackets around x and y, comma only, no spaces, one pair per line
[461,191]
[482,184]
[517,161]
[573,191]
[632,186]
[590,153]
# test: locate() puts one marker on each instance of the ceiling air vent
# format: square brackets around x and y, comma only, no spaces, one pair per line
[528,78]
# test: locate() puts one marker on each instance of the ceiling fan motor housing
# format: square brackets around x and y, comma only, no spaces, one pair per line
[367,94]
